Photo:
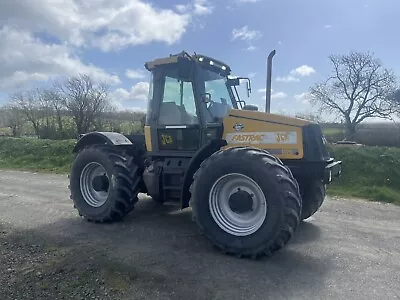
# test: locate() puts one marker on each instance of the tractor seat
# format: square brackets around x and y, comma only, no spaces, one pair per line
[172,114]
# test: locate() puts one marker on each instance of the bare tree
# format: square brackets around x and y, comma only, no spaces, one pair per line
[29,103]
[56,101]
[360,88]
[13,118]
[84,100]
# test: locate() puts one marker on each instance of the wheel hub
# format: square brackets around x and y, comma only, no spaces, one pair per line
[237,204]
[94,184]
[100,183]
[241,202]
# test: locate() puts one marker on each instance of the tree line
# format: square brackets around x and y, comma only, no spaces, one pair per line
[66,109]
[358,89]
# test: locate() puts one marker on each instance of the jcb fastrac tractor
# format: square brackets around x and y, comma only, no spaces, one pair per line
[249,177]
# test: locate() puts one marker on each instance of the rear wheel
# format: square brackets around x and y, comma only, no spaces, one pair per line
[245,201]
[313,195]
[104,184]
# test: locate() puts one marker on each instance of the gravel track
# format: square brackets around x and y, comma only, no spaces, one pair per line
[348,250]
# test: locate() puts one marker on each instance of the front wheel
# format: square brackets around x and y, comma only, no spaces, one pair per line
[104,184]
[245,201]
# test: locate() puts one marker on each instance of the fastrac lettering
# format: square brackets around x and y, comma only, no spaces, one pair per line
[248,138]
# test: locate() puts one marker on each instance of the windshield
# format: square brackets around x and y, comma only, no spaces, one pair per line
[219,98]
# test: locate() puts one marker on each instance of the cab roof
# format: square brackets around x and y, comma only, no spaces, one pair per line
[175,58]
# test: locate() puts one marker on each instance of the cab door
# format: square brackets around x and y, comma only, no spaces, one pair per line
[178,127]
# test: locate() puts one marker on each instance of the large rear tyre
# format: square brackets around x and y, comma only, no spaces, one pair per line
[313,195]
[246,202]
[104,184]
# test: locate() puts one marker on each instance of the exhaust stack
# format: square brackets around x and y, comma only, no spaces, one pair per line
[268,89]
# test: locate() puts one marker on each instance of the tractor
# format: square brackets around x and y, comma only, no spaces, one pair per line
[249,177]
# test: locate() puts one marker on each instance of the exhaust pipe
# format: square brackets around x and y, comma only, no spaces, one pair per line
[268,89]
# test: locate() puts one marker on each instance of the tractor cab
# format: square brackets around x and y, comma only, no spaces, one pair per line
[188,99]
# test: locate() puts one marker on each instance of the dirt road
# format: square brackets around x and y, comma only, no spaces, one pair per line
[348,250]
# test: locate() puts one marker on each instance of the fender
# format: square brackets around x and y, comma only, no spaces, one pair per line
[103,138]
[203,153]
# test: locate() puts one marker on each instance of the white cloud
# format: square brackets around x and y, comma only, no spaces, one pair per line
[328,26]
[24,58]
[288,78]
[41,39]
[278,95]
[245,34]
[251,75]
[135,74]
[251,48]
[303,70]
[302,98]
[117,24]
[138,92]
[274,95]
[248,1]
[197,7]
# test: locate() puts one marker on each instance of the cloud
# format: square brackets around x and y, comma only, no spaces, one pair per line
[247,1]
[328,26]
[251,48]
[303,70]
[138,92]
[251,75]
[42,39]
[24,59]
[302,98]
[197,7]
[288,78]
[278,95]
[274,95]
[135,74]
[245,34]
[116,25]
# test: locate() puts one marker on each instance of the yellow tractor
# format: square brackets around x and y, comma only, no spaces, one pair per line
[250,177]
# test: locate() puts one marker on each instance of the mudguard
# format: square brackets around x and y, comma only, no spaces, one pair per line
[102,138]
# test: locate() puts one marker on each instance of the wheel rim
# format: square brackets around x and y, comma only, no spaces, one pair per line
[232,210]
[94,184]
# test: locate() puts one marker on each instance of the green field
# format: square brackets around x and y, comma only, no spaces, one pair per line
[368,172]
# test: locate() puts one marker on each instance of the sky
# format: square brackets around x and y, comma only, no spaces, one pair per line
[111,41]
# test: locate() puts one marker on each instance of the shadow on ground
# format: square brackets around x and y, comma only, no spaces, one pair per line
[156,252]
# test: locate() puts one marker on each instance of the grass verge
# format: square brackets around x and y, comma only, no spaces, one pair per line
[368,172]
[36,155]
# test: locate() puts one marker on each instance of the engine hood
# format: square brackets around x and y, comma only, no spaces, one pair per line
[268,117]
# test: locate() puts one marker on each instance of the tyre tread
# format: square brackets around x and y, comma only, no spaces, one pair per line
[284,179]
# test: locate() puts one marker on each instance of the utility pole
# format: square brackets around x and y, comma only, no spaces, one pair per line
[268,89]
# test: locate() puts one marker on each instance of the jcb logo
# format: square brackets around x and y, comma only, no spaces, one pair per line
[281,137]
[166,139]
